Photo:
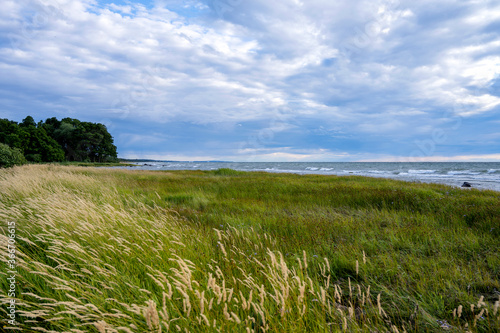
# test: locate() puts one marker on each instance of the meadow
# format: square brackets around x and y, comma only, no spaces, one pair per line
[113,250]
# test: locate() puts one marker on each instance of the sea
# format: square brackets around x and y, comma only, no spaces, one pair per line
[481,175]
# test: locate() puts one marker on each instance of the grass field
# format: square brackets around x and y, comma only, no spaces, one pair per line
[108,250]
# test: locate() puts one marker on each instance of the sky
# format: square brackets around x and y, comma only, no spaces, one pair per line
[260,80]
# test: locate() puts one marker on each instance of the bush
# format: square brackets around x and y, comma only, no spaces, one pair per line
[10,156]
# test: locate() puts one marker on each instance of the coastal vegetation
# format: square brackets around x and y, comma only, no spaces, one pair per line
[55,141]
[115,250]
[10,156]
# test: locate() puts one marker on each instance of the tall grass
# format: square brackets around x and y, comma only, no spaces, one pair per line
[104,250]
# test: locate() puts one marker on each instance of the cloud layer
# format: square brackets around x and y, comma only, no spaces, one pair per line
[260,80]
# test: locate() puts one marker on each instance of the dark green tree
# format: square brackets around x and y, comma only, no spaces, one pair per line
[50,126]
[41,147]
[36,144]
[85,141]
[64,134]
[10,134]
[54,140]
[28,122]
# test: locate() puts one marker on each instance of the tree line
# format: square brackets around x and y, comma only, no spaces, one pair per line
[54,140]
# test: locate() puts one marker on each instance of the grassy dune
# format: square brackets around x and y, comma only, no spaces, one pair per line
[101,250]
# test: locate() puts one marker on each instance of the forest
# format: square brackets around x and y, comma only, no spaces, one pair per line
[54,140]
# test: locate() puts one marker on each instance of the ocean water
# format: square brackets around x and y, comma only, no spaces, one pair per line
[482,175]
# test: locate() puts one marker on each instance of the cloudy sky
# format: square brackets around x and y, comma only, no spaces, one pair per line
[260,80]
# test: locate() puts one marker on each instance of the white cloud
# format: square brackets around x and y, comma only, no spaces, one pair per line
[484,16]
[290,154]
[459,158]
[377,68]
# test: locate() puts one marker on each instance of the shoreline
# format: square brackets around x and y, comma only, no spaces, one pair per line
[455,179]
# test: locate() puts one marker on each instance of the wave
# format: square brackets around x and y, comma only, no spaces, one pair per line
[466,172]
[420,172]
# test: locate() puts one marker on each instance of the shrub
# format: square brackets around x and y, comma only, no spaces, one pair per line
[10,156]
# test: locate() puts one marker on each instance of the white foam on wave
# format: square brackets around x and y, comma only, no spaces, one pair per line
[466,172]
[421,172]
[312,168]
[326,169]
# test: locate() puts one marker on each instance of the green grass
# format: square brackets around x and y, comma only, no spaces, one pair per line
[103,250]
[94,164]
